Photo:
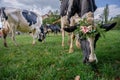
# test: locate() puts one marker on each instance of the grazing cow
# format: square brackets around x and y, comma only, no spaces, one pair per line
[88,44]
[21,20]
[83,8]
[55,28]
[52,28]
[69,10]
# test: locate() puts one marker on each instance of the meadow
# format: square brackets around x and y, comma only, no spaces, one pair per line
[51,61]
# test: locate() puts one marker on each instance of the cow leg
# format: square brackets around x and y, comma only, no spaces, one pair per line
[77,42]
[69,38]
[72,23]
[4,37]
[33,43]
[71,43]
[13,35]
[5,43]
[63,32]
[5,31]
[34,37]
[63,36]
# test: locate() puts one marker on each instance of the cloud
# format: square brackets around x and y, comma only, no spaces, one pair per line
[13,3]
[43,5]
[113,11]
[47,9]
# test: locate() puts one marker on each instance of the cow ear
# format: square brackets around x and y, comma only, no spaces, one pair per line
[108,27]
[70,29]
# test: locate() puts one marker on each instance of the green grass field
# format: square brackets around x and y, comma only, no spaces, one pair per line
[50,61]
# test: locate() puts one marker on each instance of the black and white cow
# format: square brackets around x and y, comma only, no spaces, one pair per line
[52,28]
[69,8]
[88,44]
[21,20]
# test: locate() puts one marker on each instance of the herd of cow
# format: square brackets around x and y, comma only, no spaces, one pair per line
[28,21]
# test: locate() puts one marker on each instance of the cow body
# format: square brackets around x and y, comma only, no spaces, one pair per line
[22,20]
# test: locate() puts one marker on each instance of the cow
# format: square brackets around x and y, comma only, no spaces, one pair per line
[84,9]
[68,11]
[88,44]
[52,28]
[26,21]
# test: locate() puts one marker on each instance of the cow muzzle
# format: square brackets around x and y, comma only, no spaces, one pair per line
[91,59]
[40,40]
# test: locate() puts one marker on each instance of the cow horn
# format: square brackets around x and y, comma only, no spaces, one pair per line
[108,27]
[70,29]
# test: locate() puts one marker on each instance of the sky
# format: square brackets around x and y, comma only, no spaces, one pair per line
[114,7]
[43,6]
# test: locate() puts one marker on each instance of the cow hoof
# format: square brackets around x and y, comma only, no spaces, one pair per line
[62,45]
[71,50]
[5,45]
[16,45]
[33,44]
[85,60]
[78,44]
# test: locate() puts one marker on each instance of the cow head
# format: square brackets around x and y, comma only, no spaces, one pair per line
[88,43]
[42,34]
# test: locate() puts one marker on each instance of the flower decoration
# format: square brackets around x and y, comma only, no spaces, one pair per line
[86,29]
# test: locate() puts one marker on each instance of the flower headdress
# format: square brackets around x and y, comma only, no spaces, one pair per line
[87,27]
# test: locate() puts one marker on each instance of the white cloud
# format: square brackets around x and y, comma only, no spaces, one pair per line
[42,11]
[14,3]
[41,5]
[98,12]
[113,11]
[45,5]
[46,9]
[11,1]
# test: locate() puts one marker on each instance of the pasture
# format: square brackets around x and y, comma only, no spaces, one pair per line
[50,61]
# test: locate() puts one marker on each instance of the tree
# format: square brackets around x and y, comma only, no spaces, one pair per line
[106,13]
[52,18]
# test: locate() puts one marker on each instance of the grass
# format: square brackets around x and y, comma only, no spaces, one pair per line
[50,61]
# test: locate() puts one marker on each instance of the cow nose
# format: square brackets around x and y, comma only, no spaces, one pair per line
[85,60]
[39,40]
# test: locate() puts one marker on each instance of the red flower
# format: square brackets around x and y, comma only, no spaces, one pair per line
[84,29]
